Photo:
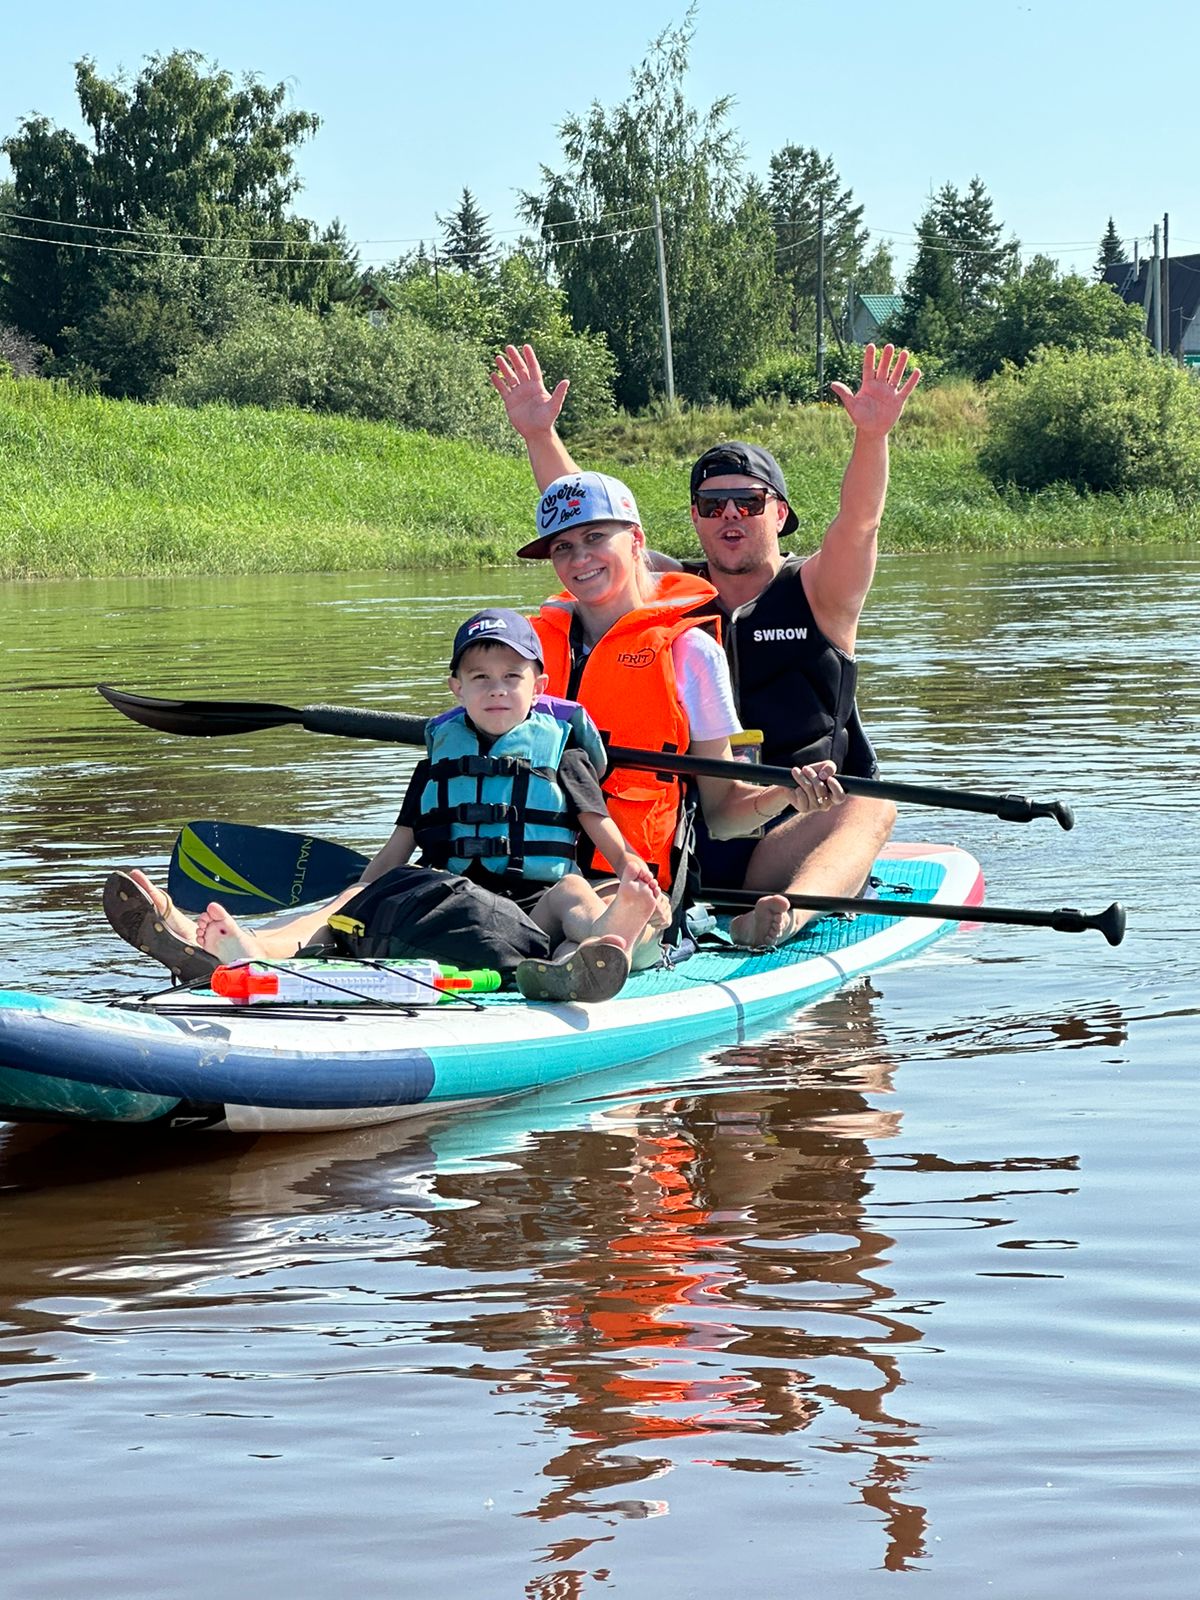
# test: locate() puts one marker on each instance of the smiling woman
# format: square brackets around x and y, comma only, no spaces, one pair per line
[638,648]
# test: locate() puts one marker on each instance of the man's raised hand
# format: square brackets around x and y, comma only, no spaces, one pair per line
[876,408]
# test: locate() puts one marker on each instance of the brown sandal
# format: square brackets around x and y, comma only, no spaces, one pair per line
[594,971]
[140,923]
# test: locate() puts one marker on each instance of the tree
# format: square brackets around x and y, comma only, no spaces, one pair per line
[182,163]
[594,220]
[877,275]
[1112,249]
[512,304]
[1041,307]
[799,179]
[959,267]
[465,237]
[931,317]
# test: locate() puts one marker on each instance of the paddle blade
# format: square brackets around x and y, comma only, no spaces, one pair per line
[257,871]
[207,718]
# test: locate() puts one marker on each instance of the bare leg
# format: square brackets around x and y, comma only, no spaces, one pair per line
[628,913]
[828,854]
[223,936]
[574,910]
[631,911]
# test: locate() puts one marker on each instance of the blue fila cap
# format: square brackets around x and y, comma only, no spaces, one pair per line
[505,627]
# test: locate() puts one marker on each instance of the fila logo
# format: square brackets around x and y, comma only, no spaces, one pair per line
[767,635]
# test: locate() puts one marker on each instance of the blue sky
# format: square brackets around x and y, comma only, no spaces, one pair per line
[1068,111]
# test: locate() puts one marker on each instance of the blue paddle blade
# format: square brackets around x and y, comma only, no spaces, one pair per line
[257,870]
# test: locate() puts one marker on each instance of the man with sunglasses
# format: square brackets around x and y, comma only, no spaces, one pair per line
[791,626]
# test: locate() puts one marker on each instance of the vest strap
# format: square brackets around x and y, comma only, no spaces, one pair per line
[475,811]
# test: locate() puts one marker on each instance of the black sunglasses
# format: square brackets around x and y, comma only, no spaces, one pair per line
[747,502]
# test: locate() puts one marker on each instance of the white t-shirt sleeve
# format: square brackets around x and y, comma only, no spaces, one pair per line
[705,688]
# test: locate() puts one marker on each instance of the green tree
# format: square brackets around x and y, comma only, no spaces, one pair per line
[1112,249]
[1041,307]
[465,236]
[182,161]
[877,275]
[931,317]
[960,264]
[514,304]
[594,220]
[160,303]
[799,179]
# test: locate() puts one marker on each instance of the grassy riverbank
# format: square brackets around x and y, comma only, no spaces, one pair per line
[92,487]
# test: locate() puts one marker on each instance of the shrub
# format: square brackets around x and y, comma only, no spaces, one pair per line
[404,372]
[1119,420]
[22,355]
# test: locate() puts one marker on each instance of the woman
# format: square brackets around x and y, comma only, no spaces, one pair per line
[637,648]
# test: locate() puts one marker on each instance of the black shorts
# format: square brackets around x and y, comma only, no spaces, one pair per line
[722,863]
[418,912]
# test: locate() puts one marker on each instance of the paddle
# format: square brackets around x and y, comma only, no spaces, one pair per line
[215,718]
[252,871]
[296,868]
[1110,922]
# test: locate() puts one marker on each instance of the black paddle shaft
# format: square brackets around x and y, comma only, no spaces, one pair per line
[1110,922]
[224,718]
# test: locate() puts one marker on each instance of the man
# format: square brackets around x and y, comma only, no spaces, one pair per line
[791,626]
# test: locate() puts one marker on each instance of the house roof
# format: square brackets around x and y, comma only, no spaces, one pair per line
[1185,289]
[882,306]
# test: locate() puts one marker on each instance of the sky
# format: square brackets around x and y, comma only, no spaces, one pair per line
[1069,111]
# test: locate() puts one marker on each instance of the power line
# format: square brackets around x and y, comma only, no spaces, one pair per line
[194,238]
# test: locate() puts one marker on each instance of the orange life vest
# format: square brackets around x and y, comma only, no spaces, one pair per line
[629,688]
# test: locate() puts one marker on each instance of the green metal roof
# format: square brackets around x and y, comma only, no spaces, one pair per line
[882,306]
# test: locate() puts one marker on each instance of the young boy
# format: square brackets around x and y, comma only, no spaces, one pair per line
[504,790]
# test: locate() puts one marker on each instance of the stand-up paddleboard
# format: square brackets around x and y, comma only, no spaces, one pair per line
[187,1057]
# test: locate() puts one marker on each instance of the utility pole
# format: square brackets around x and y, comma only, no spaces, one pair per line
[820,295]
[1155,286]
[1166,284]
[664,308]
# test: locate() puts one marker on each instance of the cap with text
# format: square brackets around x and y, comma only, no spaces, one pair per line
[499,624]
[575,499]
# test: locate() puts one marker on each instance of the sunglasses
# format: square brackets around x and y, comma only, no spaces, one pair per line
[747,502]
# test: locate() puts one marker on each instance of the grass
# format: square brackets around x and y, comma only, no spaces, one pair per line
[94,487]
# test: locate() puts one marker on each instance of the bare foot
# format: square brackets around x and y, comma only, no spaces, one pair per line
[222,935]
[628,912]
[182,927]
[772,921]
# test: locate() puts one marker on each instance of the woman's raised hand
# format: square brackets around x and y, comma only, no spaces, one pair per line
[518,380]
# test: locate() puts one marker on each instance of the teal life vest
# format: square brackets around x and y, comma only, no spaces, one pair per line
[504,809]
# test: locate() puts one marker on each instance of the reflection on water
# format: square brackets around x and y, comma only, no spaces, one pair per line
[857,1300]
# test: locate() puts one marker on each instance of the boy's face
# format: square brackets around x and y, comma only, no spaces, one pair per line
[496,686]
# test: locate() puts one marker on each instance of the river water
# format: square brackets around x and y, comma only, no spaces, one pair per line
[905,1287]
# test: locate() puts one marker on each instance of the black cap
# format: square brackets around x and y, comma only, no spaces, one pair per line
[750,461]
[505,627]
